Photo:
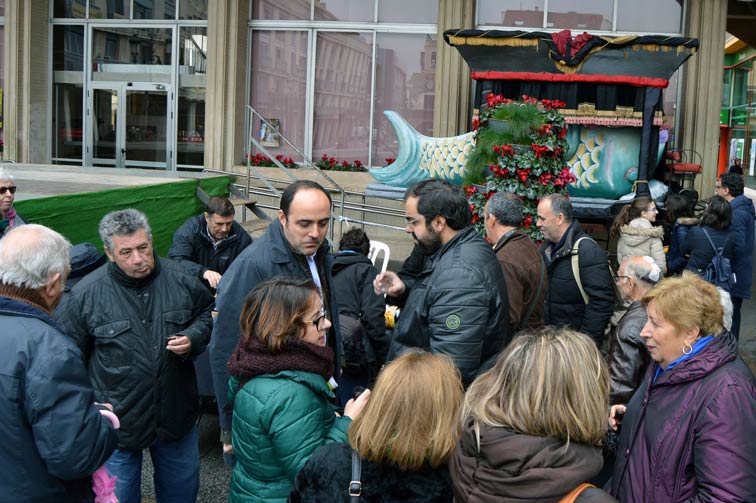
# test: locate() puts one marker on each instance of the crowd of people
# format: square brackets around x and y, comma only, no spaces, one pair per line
[513,373]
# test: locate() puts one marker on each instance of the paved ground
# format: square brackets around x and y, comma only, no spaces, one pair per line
[214,475]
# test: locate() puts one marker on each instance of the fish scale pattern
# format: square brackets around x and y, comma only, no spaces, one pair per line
[585,163]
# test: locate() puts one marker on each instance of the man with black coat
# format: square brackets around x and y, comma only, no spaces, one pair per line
[565,305]
[52,430]
[730,186]
[458,304]
[353,275]
[207,244]
[295,245]
[139,322]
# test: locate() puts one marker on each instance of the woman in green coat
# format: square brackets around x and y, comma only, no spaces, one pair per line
[279,387]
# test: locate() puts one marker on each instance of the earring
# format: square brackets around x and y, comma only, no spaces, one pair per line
[687,349]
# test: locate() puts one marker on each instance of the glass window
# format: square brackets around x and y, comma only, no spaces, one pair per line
[68,92]
[345,10]
[342,96]
[401,11]
[514,13]
[740,85]
[405,81]
[190,126]
[281,9]
[154,9]
[108,9]
[582,15]
[279,87]
[726,87]
[70,8]
[2,83]
[633,16]
[2,7]
[119,53]
[193,9]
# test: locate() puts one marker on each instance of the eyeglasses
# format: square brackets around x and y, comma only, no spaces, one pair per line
[652,210]
[618,277]
[318,322]
[412,222]
[12,190]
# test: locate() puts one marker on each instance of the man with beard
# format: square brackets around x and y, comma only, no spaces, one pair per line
[295,246]
[457,304]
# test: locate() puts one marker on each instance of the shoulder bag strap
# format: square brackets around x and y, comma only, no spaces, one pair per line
[529,310]
[575,259]
[573,495]
[712,242]
[355,486]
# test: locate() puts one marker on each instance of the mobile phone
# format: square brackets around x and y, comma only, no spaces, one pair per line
[357,391]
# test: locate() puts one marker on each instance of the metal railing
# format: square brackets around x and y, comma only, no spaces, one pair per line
[370,213]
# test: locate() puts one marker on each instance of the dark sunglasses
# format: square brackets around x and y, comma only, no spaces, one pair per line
[12,190]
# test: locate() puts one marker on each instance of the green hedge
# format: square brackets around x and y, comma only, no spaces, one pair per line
[167,206]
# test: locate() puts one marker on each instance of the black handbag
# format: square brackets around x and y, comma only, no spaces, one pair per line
[355,486]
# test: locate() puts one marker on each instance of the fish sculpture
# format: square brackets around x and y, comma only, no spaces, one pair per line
[604,160]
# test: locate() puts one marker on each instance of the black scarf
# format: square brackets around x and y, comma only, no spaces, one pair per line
[126,281]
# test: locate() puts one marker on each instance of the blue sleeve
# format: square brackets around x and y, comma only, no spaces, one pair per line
[182,249]
[239,279]
[70,434]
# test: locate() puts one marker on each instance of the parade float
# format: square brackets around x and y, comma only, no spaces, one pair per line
[608,91]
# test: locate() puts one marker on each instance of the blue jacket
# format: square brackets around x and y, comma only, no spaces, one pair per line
[50,427]
[265,258]
[742,232]
[676,259]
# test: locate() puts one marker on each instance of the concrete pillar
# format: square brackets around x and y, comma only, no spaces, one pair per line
[706,21]
[227,34]
[25,95]
[451,114]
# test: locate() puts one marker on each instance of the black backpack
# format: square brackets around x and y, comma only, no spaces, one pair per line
[719,271]
[358,353]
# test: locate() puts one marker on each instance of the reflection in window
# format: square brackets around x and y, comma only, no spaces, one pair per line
[402,11]
[279,86]
[513,13]
[190,125]
[70,8]
[2,83]
[154,9]
[405,81]
[633,16]
[108,9]
[345,10]
[116,50]
[68,92]
[342,96]
[580,15]
[281,9]
[193,9]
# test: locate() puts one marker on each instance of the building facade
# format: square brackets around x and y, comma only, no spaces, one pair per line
[182,84]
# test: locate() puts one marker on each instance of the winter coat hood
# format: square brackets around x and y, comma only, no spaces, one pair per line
[514,467]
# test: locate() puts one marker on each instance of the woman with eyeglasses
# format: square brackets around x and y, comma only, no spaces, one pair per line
[279,388]
[8,216]
[637,234]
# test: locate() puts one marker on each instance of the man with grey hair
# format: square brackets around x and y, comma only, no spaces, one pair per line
[580,294]
[520,260]
[52,429]
[139,321]
[628,357]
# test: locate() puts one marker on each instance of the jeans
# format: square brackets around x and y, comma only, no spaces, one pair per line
[176,472]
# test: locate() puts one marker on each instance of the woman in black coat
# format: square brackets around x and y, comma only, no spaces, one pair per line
[404,438]
[716,223]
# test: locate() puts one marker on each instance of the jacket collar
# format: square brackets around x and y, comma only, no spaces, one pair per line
[282,252]
[463,236]
[570,236]
[723,349]
[14,306]
[513,235]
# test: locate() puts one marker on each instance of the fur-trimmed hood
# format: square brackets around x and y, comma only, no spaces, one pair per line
[641,229]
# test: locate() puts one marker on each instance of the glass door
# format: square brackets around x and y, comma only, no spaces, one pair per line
[103,109]
[130,125]
[147,126]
